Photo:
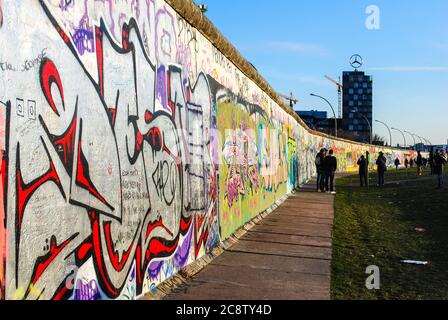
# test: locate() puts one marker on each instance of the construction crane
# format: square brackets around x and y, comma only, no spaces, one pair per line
[340,87]
[292,101]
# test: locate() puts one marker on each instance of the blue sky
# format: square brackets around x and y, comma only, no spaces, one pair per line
[294,43]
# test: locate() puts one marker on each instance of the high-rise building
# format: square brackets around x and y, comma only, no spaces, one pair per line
[357,104]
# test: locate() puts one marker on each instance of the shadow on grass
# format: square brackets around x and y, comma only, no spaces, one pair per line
[377,227]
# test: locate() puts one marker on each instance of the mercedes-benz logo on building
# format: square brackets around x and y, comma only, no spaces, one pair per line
[356,61]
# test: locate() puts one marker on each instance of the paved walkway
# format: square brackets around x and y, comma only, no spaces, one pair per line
[287,256]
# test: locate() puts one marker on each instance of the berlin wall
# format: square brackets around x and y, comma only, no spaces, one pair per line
[134,140]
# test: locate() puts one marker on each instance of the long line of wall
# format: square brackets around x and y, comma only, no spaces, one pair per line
[133,142]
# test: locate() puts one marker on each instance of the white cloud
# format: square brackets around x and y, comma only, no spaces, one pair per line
[285,47]
[296,47]
[440,45]
[292,77]
[409,69]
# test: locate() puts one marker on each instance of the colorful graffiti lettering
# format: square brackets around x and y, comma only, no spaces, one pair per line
[155,161]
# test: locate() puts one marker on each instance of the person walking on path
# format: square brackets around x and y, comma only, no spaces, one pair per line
[330,165]
[381,164]
[320,157]
[362,163]
[439,163]
[397,163]
[419,163]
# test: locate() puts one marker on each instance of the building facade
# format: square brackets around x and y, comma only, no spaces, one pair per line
[316,120]
[357,104]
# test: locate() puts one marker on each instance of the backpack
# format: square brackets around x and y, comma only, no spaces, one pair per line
[318,160]
[383,164]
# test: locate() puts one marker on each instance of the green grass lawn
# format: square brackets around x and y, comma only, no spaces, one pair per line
[377,227]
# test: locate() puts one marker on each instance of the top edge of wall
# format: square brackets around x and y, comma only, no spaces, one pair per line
[190,12]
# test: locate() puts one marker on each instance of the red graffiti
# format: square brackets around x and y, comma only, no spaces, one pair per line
[49,76]
[83,175]
[133,164]
[43,263]
[26,190]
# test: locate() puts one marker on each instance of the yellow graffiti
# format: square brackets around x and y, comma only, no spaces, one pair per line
[33,293]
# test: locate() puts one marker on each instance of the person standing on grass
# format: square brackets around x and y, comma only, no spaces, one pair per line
[320,157]
[406,162]
[397,163]
[431,161]
[362,163]
[439,163]
[419,163]
[330,165]
[381,164]
[411,163]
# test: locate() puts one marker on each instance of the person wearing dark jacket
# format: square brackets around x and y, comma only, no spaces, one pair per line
[362,163]
[431,161]
[320,157]
[330,165]
[397,163]
[381,163]
[439,163]
[419,163]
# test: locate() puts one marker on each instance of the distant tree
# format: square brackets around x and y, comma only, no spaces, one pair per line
[378,140]
[202,6]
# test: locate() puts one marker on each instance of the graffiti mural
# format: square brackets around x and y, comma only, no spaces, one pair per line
[3,173]
[253,166]
[131,147]
[129,182]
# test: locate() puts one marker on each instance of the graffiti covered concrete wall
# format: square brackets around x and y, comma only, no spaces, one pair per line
[3,118]
[131,147]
